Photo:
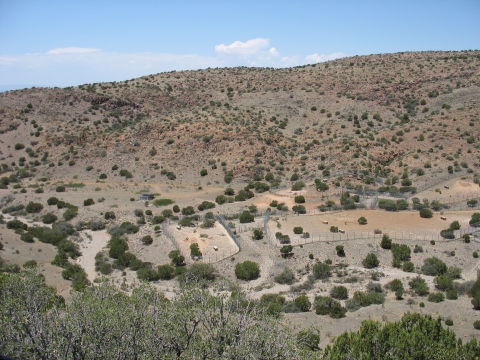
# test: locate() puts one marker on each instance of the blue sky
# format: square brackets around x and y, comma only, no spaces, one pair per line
[71,42]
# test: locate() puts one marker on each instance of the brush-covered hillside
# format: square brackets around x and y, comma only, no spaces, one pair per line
[369,115]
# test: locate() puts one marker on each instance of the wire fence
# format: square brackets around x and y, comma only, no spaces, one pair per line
[209,258]
[266,228]
[234,237]
[171,235]
[344,236]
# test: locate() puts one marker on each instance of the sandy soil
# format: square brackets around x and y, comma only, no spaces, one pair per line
[216,236]
[93,243]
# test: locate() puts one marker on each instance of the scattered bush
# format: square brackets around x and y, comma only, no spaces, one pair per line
[322,271]
[248,270]
[246,217]
[147,240]
[298,230]
[436,297]
[49,218]
[33,207]
[285,277]
[386,242]
[371,261]
[426,213]
[434,267]
[303,303]
[88,202]
[339,293]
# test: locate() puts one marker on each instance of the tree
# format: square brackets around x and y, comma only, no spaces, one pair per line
[371,261]
[419,286]
[386,242]
[286,250]
[300,199]
[147,240]
[88,202]
[257,234]
[166,272]
[247,270]
[189,210]
[455,225]
[322,271]
[246,217]
[303,303]
[177,258]
[339,292]
[362,221]
[434,266]
[298,230]
[443,282]
[426,213]
[432,341]
[49,218]
[195,250]
[203,172]
[33,207]
[475,220]
[340,250]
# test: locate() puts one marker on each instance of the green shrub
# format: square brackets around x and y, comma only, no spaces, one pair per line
[163,202]
[285,277]
[476,324]
[426,213]
[339,292]
[443,282]
[147,240]
[436,297]
[109,215]
[322,271]
[298,230]
[452,294]
[33,207]
[16,224]
[362,221]
[371,261]
[386,242]
[419,286]
[300,199]
[408,266]
[49,218]
[303,303]
[60,188]
[166,272]
[248,270]
[434,266]
[27,237]
[30,264]
[201,271]
[88,202]
[246,217]
[257,234]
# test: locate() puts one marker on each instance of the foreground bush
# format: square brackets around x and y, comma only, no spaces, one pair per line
[105,323]
[396,341]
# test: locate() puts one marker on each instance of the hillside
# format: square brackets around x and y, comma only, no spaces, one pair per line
[371,114]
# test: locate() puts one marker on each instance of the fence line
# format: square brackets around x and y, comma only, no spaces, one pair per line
[328,237]
[170,234]
[234,237]
[268,232]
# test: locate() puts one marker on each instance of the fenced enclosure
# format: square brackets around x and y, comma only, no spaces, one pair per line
[206,257]
[328,237]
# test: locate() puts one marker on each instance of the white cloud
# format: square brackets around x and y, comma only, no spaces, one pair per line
[273,52]
[248,48]
[315,58]
[72,50]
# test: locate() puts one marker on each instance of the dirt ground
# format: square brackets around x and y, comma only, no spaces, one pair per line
[206,240]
